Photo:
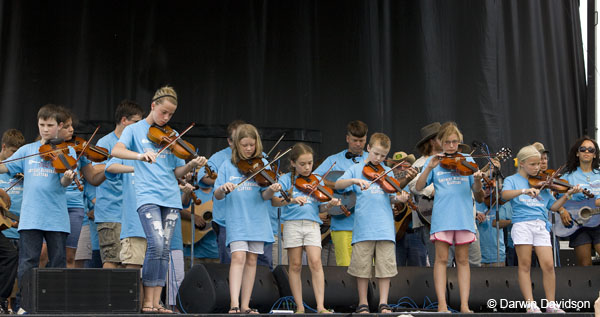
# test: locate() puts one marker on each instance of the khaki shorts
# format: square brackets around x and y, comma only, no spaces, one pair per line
[299,233]
[110,244]
[133,251]
[364,253]
[84,245]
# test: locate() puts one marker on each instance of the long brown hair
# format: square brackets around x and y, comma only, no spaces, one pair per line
[298,150]
[245,131]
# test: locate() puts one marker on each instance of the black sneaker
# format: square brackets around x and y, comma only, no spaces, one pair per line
[4,306]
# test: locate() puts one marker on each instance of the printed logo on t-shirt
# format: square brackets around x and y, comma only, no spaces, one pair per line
[531,202]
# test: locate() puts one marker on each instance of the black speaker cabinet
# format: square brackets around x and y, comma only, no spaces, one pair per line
[81,291]
[340,288]
[205,289]
[411,281]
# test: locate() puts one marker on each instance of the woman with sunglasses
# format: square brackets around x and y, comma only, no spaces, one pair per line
[583,168]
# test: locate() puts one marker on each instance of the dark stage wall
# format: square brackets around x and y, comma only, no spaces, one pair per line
[508,72]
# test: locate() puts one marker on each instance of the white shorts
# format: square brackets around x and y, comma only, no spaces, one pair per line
[299,233]
[531,232]
[257,247]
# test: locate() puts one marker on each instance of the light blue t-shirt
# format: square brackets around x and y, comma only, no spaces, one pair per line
[488,234]
[207,246]
[130,219]
[154,183]
[16,198]
[44,204]
[340,222]
[246,212]
[589,181]
[308,211]
[453,200]
[374,218]
[214,162]
[110,192]
[525,207]
[74,195]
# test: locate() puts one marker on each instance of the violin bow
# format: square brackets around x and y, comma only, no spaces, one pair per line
[87,143]
[15,183]
[323,177]
[175,139]
[274,146]
[384,174]
[262,169]
[36,154]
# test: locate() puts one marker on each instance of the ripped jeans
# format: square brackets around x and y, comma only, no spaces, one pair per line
[158,223]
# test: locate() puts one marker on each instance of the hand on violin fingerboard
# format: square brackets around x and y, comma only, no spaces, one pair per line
[574,190]
[198,161]
[435,161]
[149,157]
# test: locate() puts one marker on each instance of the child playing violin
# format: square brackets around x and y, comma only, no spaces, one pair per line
[246,215]
[373,238]
[531,226]
[44,207]
[158,199]
[452,220]
[301,228]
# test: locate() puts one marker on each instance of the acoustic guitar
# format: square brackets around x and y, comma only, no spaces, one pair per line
[6,219]
[203,210]
[584,213]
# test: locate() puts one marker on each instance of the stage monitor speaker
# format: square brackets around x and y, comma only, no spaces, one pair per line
[81,291]
[340,288]
[502,283]
[413,282]
[205,289]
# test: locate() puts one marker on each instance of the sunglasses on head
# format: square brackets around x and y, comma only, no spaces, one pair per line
[590,149]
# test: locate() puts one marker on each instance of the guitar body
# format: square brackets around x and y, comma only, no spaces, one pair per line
[401,225]
[584,214]
[6,219]
[205,212]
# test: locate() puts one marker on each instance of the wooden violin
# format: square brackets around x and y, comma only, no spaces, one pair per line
[388,184]
[61,160]
[263,176]
[458,162]
[92,152]
[542,181]
[195,199]
[165,136]
[310,186]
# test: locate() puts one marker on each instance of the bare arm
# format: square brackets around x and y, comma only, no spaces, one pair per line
[94,174]
[119,169]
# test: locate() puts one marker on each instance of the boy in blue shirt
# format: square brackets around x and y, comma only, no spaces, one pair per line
[12,140]
[44,208]
[109,194]
[341,226]
[374,237]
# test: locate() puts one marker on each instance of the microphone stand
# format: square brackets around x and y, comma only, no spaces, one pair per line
[496,174]
[192,225]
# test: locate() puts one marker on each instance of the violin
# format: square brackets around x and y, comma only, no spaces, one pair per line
[182,149]
[554,184]
[266,177]
[489,197]
[310,186]
[61,160]
[388,184]
[193,194]
[92,152]
[458,162]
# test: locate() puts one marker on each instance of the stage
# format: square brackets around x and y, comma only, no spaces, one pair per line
[338,315]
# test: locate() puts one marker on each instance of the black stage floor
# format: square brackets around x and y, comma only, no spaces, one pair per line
[588,314]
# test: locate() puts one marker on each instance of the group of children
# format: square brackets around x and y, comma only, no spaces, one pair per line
[141,178]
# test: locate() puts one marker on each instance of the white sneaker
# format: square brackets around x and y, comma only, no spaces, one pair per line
[21,311]
[553,308]
[532,308]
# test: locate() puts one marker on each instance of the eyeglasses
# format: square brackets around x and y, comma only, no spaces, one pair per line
[448,142]
[590,149]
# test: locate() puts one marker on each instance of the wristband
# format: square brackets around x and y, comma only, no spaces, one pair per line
[139,156]
[522,191]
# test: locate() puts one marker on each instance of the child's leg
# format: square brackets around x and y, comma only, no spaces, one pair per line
[464,275]
[439,273]
[318,278]
[524,256]
[384,291]
[544,255]
[363,284]
[295,270]
[236,271]
[582,254]
[248,280]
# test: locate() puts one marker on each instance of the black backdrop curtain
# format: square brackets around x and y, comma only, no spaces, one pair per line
[508,72]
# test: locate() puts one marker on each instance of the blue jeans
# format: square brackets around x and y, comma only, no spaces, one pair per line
[411,249]
[76,218]
[30,246]
[158,223]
